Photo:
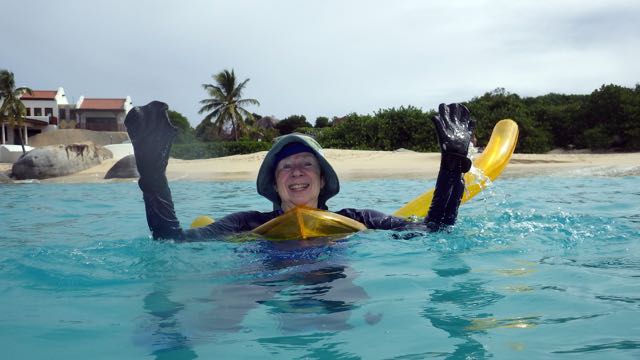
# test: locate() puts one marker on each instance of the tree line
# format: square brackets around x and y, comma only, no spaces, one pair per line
[608,119]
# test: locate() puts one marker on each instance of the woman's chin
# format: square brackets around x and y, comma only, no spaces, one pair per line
[302,203]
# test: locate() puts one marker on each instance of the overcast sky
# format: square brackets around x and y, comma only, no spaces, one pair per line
[320,58]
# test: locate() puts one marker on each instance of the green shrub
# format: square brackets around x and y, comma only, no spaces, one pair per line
[206,150]
[597,138]
[291,124]
[388,129]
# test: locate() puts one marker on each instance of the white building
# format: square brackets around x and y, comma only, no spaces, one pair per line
[49,110]
[42,114]
[102,114]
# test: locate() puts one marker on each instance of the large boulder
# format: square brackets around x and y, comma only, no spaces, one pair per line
[58,160]
[77,136]
[125,168]
[11,153]
[5,179]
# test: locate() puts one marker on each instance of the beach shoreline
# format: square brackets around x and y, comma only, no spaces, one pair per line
[362,164]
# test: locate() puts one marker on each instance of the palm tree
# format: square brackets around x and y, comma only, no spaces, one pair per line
[12,109]
[225,104]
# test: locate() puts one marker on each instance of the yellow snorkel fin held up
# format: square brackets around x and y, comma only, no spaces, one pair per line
[491,162]
[304,223]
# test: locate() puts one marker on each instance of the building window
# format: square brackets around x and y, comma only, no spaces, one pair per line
[28,111]
[48,111]
[72,114]
[63,114]
[37,111]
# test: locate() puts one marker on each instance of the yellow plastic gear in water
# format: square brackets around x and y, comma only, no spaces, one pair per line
[491,162]
[201,221]
[306,223]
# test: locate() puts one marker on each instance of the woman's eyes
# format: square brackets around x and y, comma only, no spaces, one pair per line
[306,164]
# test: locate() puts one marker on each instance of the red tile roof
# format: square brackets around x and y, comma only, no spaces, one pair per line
[102,104]
[40,95]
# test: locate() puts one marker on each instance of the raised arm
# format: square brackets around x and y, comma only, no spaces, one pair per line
[152,134]
[454,127]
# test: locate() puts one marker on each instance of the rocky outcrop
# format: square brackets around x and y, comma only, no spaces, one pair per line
[5,179]
[125,168]
[77,136]
[53,161]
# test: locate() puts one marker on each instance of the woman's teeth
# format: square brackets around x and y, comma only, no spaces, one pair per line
[298,186]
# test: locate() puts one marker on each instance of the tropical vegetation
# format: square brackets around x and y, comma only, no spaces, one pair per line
[12,110]
[224,108]
[608,119]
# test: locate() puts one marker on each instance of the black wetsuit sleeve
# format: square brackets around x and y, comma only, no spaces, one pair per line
[152,134]
[158,204]
[442,212]
[231,224]
[448,192]
[163,223]
[374,219]
[454,127]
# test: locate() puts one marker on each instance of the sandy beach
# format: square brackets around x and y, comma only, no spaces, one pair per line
[356,164]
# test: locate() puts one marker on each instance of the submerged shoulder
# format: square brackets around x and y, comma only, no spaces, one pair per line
[366,216]
[234,223]
[374,219]
[251,216]
[349,212]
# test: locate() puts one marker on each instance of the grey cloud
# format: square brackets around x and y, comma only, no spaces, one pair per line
[322,58]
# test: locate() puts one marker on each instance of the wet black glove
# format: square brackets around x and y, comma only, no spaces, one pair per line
[454,127]
[151,134]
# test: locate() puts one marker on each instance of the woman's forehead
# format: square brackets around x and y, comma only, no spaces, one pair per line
[302,156]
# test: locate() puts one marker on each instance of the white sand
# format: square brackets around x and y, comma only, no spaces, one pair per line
[354,164]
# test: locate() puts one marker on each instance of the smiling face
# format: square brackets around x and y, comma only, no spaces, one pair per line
[298,181]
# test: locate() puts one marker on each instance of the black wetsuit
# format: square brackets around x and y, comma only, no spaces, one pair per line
[164,223]
[152,134]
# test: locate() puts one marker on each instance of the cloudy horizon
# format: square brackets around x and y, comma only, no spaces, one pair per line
[321,58]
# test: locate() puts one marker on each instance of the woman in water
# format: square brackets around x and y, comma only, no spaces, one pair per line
[293,173]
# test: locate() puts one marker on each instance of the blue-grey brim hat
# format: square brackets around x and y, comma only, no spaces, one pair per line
[266,174]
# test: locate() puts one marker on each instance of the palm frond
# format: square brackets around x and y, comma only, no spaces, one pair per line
[214,91]
[7,83]
[225,104]
[244,102]
[226,81]
[215,107]
[22,90]
[244,112]
[237,92]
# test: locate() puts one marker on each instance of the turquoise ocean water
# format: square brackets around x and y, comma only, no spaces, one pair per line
[537,268]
